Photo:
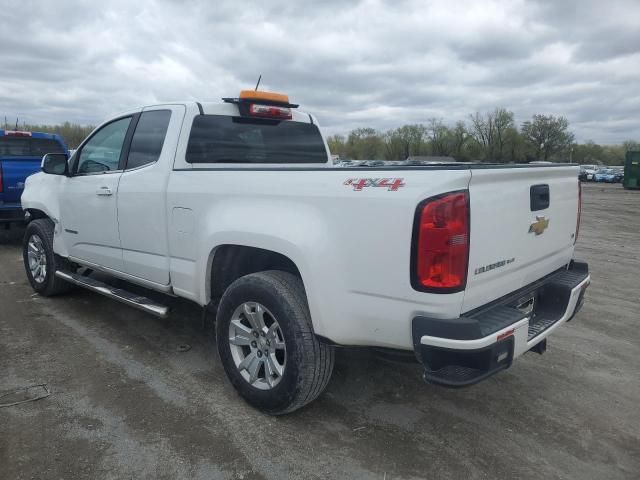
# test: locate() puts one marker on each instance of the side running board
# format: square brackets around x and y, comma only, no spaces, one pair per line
[137,301]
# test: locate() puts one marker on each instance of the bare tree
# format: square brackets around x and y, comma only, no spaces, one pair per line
[490,131]
[438,133]
[458,137]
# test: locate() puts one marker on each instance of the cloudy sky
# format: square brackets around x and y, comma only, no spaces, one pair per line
[368,63]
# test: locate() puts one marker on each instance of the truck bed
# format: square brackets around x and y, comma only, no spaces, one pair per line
[352,245]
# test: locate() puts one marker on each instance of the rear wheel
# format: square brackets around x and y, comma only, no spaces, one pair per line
[257,345]
[40,262]
[267,345]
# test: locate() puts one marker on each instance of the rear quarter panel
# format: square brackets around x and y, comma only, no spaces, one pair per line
[14,174]
[352,247]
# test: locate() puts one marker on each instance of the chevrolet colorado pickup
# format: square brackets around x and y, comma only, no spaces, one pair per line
[237,207]
[20,156]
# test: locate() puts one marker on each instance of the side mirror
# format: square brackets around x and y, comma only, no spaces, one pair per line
[55,164]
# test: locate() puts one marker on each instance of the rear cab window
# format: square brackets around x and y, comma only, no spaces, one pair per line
[229,139]
[19,146]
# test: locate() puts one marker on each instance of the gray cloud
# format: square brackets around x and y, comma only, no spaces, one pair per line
[368,63]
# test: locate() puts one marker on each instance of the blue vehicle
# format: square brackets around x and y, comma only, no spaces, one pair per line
[608,175]
[20,156]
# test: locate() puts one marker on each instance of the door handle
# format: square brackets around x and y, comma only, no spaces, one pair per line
[539,197]
[104,191]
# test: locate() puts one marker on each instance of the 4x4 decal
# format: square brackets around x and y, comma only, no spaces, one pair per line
[391,184]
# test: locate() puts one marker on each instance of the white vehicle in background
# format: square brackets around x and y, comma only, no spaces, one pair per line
[589,172]
[236,206]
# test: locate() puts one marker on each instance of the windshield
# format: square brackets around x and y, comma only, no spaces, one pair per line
[226,139]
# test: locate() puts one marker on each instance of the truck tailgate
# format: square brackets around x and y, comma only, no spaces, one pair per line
[515,237]
[14,173]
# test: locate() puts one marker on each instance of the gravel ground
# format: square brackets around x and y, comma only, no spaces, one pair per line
[126,403]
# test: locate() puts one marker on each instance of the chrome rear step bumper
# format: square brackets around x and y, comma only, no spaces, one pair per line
[137,301]
[465,350]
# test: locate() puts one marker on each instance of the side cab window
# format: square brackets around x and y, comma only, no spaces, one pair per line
[148,138]
[102,152]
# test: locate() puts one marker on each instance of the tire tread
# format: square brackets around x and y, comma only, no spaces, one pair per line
[317,358]
[318,373]
[54,285]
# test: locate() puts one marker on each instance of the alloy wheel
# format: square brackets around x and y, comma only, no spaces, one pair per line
[37,258]
[257,345]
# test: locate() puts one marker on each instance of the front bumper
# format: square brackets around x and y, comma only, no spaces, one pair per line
[463,351]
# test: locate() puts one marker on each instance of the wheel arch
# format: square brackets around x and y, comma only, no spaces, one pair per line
[298,242]
[35,213]
[229,261]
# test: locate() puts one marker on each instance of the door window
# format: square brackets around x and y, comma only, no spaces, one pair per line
[148,138]
[102,151]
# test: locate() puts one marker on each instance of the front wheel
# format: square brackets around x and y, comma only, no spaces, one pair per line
[40,262]
[267,345]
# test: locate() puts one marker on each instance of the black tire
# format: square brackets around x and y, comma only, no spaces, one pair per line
[309,363]
[51,285]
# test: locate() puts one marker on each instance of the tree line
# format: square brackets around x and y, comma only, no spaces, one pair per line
[490,137]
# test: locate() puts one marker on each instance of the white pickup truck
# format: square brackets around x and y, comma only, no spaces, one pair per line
[237,206]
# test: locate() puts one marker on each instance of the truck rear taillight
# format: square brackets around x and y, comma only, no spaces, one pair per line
[270,111]
[440,250]
[579,211]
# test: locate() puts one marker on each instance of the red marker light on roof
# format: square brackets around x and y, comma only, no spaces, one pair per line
[17,133]
[256,103]
[270,111]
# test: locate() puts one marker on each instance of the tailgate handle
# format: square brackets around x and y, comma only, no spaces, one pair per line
[539,197]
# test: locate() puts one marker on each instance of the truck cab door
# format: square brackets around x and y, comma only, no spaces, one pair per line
[88,200]
[142,205]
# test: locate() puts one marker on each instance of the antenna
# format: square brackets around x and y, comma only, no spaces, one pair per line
[259,78]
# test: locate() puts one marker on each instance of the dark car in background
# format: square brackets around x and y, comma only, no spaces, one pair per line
[582,175]
[619,174]
[21,153]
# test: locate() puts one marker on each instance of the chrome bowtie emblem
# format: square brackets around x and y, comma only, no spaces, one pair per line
[539,226]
